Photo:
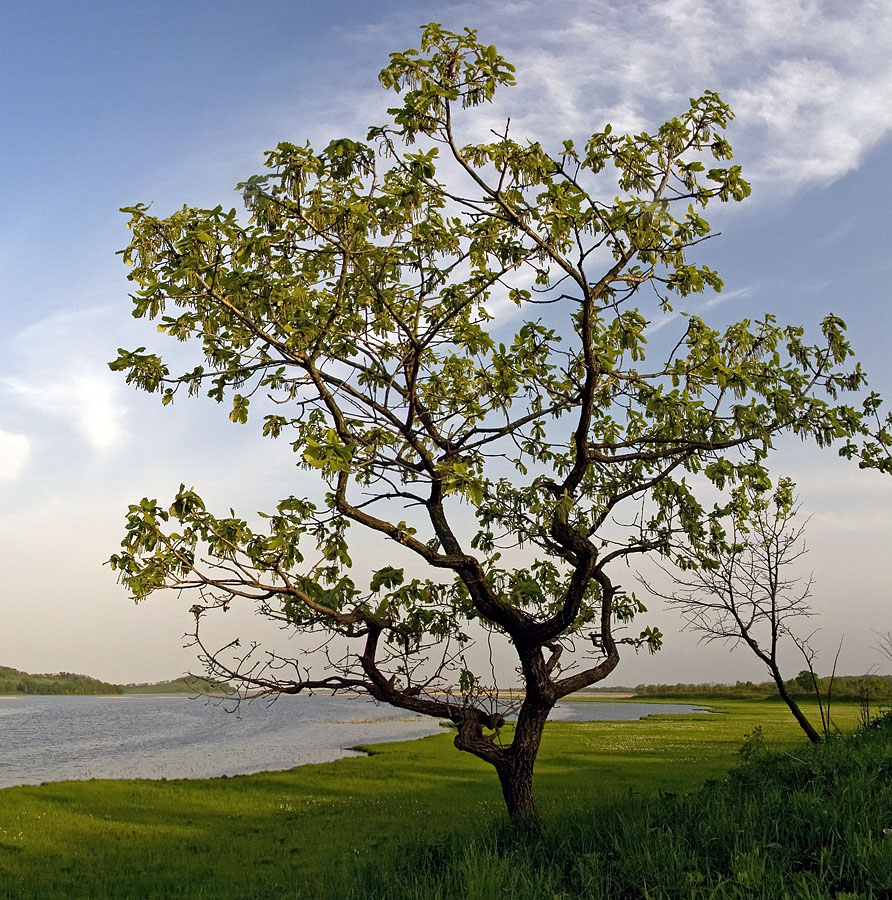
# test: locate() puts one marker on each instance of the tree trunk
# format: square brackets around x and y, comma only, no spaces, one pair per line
[798,714]
[516,778]
[516,766]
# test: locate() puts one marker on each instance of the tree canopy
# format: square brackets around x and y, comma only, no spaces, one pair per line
[451,335]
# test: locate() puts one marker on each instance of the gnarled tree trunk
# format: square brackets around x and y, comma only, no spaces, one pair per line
[515,768]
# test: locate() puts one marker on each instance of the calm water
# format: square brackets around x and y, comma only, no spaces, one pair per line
[173,736]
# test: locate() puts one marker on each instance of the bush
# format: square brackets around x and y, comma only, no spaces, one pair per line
[812,824]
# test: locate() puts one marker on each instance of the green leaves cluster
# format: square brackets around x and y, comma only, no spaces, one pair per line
[360,312]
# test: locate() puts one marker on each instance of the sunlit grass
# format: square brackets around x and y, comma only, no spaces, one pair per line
[802,823]
[273,834]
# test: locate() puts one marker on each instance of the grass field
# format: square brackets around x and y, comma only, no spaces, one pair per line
[272,835]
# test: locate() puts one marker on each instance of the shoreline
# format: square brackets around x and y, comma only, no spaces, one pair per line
[318,739]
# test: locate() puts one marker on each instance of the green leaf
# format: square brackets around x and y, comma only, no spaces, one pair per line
[388,577]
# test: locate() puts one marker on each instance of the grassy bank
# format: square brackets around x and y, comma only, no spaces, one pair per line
[274,834]
[807,823]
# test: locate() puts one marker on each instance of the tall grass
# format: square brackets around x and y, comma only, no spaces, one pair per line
[814,823]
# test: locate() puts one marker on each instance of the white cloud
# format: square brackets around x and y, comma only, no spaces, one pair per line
[809,80]
[816,125]
[84,397]
[57,367]
[14,452]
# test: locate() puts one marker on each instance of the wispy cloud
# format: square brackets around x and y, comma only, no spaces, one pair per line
[58,370]
[83,396]
[809,80]
[711,303]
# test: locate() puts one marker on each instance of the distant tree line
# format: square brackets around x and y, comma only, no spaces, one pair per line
[12,681]
[876,688]
[190,684]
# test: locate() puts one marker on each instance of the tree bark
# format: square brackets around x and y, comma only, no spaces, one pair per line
[516,779]
[515,768]
[798,714]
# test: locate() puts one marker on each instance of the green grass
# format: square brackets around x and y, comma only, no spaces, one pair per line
[275,834]
[805,823]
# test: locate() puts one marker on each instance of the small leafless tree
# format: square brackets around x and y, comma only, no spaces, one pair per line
[885,644]
[738,585]
[809,680]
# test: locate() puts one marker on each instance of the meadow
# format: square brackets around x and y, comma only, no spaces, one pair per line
[324,830]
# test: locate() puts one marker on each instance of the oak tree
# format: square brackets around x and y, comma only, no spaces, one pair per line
[450,334]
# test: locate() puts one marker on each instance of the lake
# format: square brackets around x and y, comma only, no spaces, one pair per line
[175,736]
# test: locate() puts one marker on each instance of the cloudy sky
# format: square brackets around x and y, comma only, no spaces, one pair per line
[167,102]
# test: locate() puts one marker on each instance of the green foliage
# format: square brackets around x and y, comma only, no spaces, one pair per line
[358,312]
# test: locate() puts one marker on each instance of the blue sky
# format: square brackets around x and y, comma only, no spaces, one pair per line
[173,103]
